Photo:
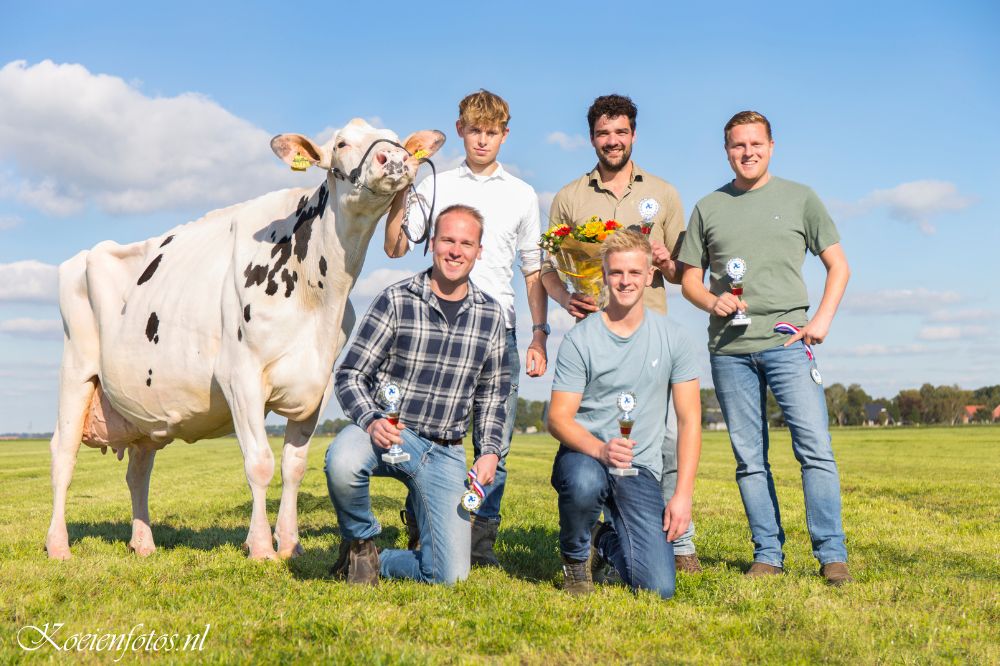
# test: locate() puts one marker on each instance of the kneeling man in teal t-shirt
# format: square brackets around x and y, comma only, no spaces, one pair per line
[624,351]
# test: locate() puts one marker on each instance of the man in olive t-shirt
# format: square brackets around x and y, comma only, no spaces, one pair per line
[769,223]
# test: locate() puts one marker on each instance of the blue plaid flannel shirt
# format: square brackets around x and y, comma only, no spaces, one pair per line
[443,372]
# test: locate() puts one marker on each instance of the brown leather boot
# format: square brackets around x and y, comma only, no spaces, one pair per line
[412,531]
[576,575]
[484,535]
[362,563]
[339,568]
[759,570]
[836,573]
[687,563]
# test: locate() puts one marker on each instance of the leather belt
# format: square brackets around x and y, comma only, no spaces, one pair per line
[445,442]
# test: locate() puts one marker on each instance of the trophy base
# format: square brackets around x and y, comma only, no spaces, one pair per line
[623,471]
[393,458]
[744,321]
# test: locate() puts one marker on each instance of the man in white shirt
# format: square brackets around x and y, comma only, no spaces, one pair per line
[510,208]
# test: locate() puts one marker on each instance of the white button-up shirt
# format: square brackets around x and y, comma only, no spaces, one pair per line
[510,209]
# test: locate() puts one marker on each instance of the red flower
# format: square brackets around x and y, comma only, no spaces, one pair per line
[561,231]
[645,229]
[610,225]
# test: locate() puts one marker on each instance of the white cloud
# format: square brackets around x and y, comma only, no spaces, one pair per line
[883,350]
[378,280]
[29,281]
[544,206]
[898,301]
[916,202]
[9,222]
[567,141]
[952,332]
[79,138]
[967,315]
[49,329]
[560,320]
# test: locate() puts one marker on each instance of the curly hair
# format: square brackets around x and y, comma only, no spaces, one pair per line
[611,106]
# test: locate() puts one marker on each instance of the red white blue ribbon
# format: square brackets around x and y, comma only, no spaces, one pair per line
[475,485]
[792,329]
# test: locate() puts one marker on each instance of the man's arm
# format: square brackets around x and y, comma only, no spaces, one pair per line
[489,405]
[687,404]
[396,243]
[837,275]
[693,288]
[563,425]
[536,359]
[353,379]
[665,252]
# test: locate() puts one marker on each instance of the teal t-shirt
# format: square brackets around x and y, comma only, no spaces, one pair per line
[770,228]
[600,365]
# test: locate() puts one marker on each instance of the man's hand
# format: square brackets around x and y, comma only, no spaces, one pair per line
[813,333]
[661,258]
[579,305]
[486,468]
[677,516]
[535,359]
[384,434]
[617,452]
[727,304]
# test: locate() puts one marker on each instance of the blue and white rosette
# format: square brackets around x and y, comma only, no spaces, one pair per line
[472,499]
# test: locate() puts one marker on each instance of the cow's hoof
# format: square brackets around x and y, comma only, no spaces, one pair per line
[141,549]
[261,552]
[289,553]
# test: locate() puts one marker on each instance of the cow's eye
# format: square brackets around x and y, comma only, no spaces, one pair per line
[342,144]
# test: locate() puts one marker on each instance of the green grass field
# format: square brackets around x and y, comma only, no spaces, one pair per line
[921,513]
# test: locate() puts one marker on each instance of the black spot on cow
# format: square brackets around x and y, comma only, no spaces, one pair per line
[297,243]
[166,241]
[246,313]
[320,284]
[322,266]
[239,334]
[152,326]
[148,273]
[149,379]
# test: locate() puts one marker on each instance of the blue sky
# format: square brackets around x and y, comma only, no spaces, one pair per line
[120,120]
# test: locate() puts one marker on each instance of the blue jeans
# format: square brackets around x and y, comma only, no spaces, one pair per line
[741,383]
[636,546]
[435,477]
[684,544]
[490,508]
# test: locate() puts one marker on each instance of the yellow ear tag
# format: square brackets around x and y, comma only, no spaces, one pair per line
[300,163]
[420,154]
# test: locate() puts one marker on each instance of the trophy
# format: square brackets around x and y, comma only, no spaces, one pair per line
[626,403]
[736,268]
[392,396]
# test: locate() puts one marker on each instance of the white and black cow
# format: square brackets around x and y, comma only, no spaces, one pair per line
[202,331]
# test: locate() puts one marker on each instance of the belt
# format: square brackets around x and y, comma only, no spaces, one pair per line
[445,442]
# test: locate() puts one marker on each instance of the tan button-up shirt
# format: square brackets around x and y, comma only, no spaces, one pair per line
[587,196]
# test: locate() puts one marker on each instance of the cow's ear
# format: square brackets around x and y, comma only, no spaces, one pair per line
[424,143]
[297,151]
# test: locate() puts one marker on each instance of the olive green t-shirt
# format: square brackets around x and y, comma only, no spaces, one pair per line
[770,228]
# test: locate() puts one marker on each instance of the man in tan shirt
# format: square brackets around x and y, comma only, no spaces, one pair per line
[618,189]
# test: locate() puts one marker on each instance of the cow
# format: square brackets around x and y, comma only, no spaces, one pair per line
[200,332]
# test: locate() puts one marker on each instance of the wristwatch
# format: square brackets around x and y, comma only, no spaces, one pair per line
[544,328]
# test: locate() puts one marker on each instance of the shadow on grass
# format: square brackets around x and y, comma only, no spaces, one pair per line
[530,553]
[316,564]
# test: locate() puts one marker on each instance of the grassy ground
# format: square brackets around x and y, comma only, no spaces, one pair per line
[920,509]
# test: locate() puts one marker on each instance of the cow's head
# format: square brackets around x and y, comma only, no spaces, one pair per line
[382,170]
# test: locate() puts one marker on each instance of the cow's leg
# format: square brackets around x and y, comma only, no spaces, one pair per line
[140,466]
[74,400]
[247,405]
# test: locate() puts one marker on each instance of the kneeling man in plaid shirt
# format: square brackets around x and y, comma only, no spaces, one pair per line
[442,342]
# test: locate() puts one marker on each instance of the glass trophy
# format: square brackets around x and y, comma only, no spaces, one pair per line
[626,403]
[736,268]
[392,396]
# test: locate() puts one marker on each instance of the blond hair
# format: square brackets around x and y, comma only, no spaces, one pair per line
[484,109]
[469,211]
[746,118]
[626,240]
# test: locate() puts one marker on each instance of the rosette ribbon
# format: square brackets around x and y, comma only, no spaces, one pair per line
[792,329]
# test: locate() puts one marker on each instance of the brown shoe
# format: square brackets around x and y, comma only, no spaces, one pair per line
[687,563]
[759,570]
[484,535]
[412,531]
[576,574]
[836,573]
[362,563]
[339,568]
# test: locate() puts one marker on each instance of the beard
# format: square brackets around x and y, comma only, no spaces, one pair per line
[616,164]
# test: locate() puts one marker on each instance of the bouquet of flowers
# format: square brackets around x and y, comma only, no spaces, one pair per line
[577,252]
